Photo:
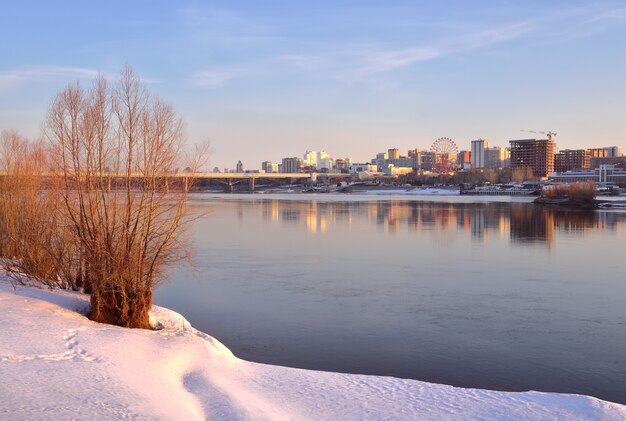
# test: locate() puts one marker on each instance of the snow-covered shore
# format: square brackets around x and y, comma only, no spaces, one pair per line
[57,364]
[383,196]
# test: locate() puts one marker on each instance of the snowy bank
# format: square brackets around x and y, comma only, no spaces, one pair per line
[57,364]
[415,191]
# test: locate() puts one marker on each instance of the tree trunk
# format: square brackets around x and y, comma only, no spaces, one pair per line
[122,308]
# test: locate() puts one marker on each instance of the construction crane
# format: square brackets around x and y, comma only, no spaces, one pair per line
[548,133]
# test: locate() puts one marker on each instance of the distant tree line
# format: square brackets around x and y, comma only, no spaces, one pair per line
[475,177]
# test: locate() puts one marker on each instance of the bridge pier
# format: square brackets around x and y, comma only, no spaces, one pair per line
[228,186]
[251,184]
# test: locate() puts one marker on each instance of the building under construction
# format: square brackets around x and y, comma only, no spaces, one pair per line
[537,154]
[572,159]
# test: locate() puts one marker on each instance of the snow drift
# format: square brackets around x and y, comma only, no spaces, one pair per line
[55,363]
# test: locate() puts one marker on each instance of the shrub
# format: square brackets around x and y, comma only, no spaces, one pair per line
[582,191]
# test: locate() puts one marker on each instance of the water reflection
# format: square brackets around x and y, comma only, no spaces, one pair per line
[521,223]
[484,294]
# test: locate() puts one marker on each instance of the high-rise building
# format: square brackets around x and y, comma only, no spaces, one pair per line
[310,158]
[269,167]
[618,161]
[571,159]
[320,160]
[497,157]
[614,151]
[342,164]
[464,158]
[537,154]
[380,161]
[429,160]
[291,165]
[239,167]
[478,153]
[416,158]
[598,152]
[606,152]
[393,153]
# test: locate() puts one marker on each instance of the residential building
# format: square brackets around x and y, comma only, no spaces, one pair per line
[478,153]
[618,161]
[393,170]
[365,167]
[614,151]
[393,158]
[319,160]
[598,152]
[380,160]
[269,167]
[464,159]
[497,157]
[606,152]
[429,160]
[393,153]
[416,158]
[310,158]
[342,164]
[291,165]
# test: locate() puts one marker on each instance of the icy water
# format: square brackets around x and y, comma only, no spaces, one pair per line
[462,291]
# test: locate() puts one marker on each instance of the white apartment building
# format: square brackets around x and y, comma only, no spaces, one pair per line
[478,153]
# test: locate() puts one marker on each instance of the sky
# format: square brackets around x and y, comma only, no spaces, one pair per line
[263,80]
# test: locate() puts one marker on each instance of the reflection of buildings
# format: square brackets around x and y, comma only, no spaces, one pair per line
[317,216]
[477,224]
[523,223]
[488,217]
[531,223]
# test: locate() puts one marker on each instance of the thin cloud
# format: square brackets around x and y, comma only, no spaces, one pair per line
[15,77]
[384,61]
[364,61]
[618,14]
[214,77]
[209,25]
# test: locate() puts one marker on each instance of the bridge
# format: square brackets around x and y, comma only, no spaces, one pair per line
[230,179]
[227,179]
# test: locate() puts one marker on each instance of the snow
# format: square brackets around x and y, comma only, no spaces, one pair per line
[57,364]
[373,196]
[424,192]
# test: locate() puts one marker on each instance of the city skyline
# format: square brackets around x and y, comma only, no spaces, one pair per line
[264,82]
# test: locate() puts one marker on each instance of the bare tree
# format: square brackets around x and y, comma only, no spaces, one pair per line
[117,148]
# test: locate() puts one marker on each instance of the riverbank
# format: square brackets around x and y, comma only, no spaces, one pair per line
[566,202]
[379,196]
[55,363]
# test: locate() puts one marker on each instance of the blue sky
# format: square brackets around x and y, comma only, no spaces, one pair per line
[264,80]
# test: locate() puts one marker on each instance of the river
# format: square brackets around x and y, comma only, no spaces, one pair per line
[473,292]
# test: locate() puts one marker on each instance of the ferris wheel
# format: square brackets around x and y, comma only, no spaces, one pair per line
[445,151]
[444,146]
